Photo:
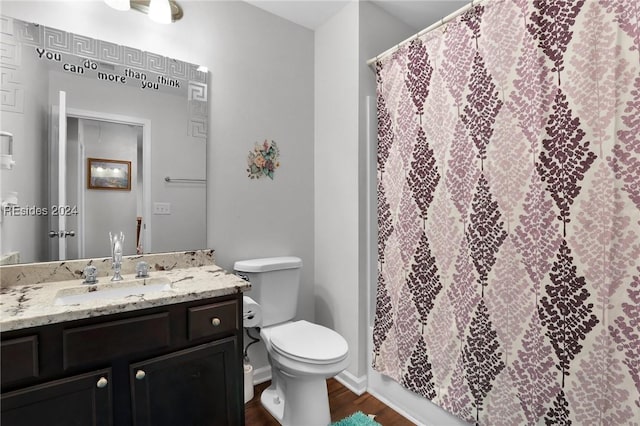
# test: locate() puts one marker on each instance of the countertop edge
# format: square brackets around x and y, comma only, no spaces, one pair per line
[27,306]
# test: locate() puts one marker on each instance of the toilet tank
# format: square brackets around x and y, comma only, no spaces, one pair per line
[275,283]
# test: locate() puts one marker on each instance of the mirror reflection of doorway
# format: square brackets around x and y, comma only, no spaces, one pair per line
[101,211]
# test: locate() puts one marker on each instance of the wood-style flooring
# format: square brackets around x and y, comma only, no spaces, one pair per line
[342,403]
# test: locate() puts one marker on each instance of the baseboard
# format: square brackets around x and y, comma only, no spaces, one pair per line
[261,375]
[357,385]
[410,405]
[395,408]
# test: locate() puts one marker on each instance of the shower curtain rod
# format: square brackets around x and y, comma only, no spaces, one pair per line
[438,24]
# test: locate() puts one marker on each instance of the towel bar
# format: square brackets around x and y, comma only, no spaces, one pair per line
[169,179]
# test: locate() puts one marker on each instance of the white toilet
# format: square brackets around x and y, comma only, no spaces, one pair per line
[302,354]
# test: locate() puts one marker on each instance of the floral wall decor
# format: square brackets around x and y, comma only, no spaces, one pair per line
[263,160]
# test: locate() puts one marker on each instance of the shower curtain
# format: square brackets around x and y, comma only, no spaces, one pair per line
[509,213]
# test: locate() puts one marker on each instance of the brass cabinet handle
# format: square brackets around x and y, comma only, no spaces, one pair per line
[215,322]
[140,374]
[102,382]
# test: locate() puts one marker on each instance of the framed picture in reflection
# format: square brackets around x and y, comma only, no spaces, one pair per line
[108,174]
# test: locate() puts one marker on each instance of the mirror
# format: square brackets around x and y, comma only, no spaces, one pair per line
[104,138]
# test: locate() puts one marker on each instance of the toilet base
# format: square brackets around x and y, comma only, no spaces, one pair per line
[306,402]
[273,403]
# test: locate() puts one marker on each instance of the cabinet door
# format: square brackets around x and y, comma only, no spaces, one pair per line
[199,386]
[79,400]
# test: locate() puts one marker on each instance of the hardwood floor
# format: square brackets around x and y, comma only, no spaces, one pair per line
[342,403]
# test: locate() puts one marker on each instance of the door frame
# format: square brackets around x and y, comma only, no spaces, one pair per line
[146,165]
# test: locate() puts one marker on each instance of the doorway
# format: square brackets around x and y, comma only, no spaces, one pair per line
[86,213]
[103,210]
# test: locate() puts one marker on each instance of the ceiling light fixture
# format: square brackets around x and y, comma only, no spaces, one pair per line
[162,11]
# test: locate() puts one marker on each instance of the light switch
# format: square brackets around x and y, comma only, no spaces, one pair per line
[161,208]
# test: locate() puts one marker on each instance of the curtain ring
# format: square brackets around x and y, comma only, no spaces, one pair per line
[444,26]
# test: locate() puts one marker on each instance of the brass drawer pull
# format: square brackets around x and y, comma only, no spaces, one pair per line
[215,322]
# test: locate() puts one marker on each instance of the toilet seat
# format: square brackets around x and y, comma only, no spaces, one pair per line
[307,342]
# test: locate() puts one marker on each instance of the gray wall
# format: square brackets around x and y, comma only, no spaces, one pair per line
[25,234]
[261,87]
[74,185]
[106,210]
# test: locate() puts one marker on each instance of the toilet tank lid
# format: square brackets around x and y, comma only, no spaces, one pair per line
[268,264]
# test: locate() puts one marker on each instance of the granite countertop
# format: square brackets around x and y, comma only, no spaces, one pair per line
[31,305]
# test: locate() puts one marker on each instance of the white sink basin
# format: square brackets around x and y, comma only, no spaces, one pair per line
[112,290]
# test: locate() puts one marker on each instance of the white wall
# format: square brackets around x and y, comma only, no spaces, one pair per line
[343,156]
[336,180]
[260,87]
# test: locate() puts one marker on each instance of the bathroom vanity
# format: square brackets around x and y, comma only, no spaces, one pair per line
[170,356]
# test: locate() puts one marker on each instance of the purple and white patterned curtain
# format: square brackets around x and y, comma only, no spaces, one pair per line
[509,213]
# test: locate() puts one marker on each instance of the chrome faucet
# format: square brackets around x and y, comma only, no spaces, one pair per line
[90,275]
[142,269]
[116,254]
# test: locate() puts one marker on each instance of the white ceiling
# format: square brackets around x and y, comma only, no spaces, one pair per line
[419,14]
[308,13]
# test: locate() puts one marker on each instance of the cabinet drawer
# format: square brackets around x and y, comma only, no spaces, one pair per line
[214,319]
[105,341]
[23,353]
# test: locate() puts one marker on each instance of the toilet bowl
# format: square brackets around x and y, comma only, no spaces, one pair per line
[302,356]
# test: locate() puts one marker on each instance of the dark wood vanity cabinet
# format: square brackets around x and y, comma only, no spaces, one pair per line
[83,399]
[185,387]
[173,365]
